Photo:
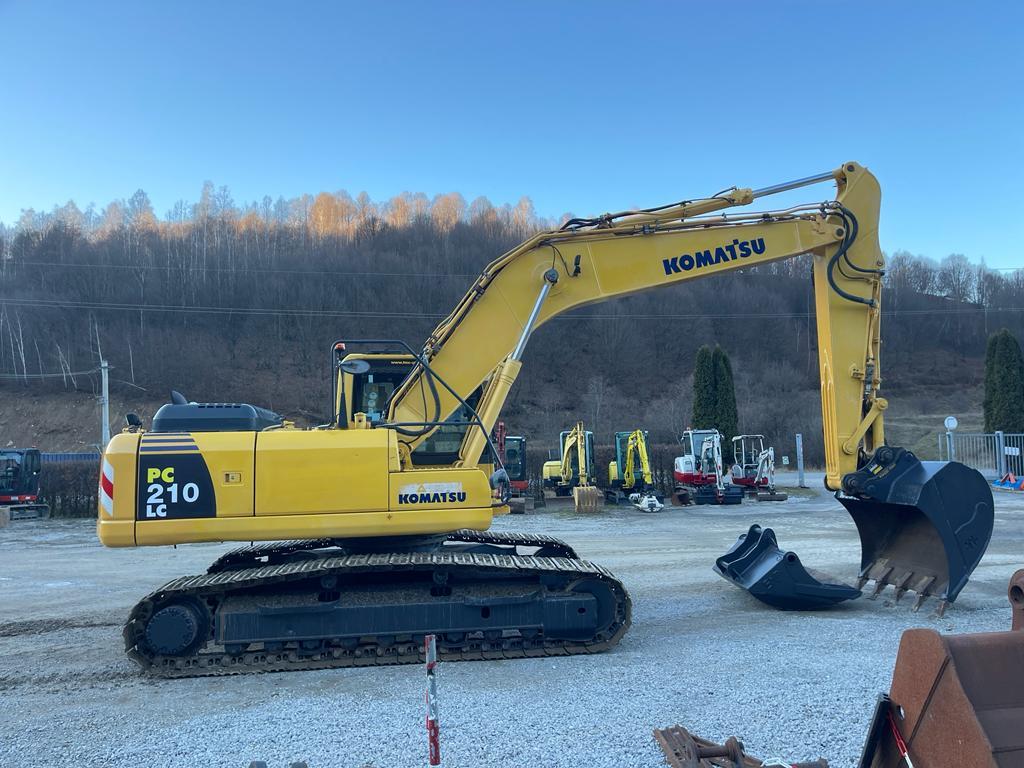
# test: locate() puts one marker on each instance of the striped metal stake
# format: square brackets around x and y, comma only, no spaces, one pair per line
[433,725]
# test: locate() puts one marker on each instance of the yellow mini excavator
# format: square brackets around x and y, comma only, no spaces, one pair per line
[371,530]
[577,469]
[635,481]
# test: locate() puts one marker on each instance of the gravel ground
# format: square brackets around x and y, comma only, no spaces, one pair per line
[701,653]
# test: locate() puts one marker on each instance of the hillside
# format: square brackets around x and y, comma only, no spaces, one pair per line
[69,421]
[242,305]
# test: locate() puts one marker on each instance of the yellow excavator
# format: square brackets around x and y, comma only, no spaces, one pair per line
[577,469]
[635,482]
[371,529]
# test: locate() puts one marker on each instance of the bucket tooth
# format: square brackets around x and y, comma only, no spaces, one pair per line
[901,586]
[880,583]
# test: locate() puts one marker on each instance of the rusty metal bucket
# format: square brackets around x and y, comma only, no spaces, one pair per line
[923,525]
[1015,594]
[755,563]
[957,700]
[684,750]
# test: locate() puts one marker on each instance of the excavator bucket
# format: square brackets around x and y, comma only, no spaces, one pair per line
[587,498]
[923,525]
[956,700]
[1016,595]
[684,750]
[755,563]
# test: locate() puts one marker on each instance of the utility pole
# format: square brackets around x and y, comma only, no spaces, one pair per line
[800,460]
[105,405]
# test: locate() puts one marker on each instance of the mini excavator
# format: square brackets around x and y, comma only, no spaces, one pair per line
[629,474]
[577,469]
[371,530]
[511,451]
[753,468]
[699,474]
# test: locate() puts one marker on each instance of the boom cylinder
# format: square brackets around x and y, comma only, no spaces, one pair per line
[796,184]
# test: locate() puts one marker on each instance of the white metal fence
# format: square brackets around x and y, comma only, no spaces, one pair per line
[991,453]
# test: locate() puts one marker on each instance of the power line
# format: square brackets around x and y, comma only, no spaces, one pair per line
[300,312]
[181,267]
[185,309]
[241,270]
[64,374]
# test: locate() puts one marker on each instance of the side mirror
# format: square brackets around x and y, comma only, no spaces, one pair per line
[133,420]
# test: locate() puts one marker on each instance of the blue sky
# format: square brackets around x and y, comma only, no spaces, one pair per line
[584,107]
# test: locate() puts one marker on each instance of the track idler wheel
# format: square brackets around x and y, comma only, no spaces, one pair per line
[177,628]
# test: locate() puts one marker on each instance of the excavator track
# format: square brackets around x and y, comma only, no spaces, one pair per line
[268,553]
[547,546]
[319,612]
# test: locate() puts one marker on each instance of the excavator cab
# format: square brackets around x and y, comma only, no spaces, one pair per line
[19,483]
[746,449]
[364,384]
[515,461]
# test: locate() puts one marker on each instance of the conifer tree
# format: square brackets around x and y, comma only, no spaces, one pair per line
[1004,384]
[726,417]
[704,390]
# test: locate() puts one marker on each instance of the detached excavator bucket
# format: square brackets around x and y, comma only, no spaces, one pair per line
[755,563]
[587,498]
[1016,594]
[956,700]
[923,525]
[684,750]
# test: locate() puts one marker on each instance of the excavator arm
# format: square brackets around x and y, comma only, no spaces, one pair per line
[923,525]
[575,443]
[590,260]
